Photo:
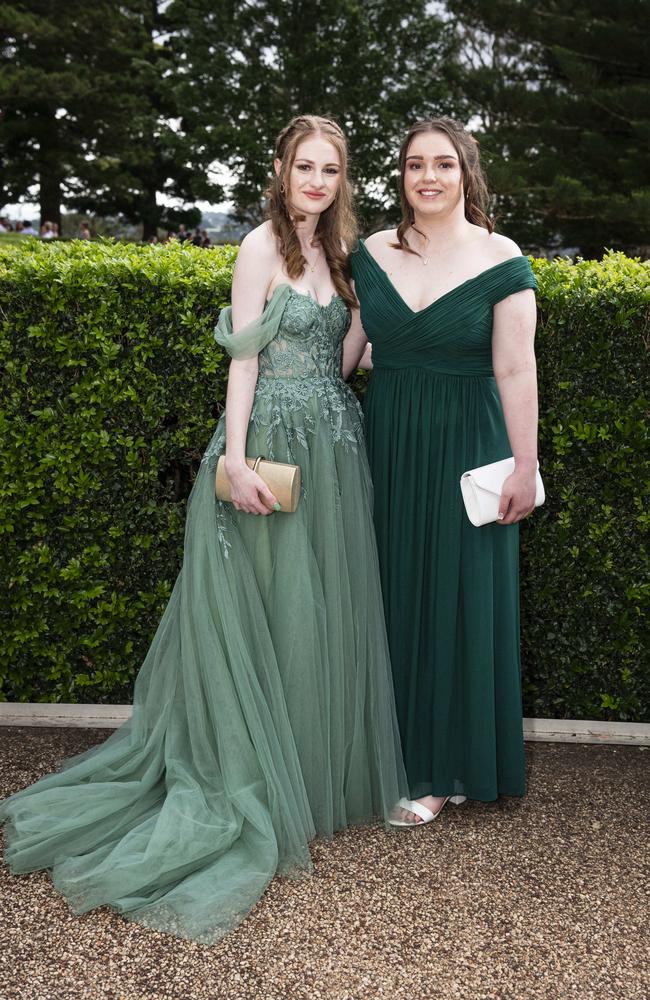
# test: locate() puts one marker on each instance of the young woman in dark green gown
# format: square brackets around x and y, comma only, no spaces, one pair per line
[449,309]
[263,714]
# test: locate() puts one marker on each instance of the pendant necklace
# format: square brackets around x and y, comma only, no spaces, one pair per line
[312,267]
[423,257]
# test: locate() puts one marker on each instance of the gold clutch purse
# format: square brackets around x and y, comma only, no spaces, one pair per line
[283,481]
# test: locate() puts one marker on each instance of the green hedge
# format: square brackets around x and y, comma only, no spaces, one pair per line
[585,580]
[112,384]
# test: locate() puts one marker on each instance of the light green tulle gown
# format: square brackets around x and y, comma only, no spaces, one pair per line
[263,714]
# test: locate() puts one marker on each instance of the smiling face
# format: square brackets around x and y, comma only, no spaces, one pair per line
[433,179]
[314,177]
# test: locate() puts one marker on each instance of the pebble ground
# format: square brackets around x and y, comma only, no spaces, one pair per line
[545,898]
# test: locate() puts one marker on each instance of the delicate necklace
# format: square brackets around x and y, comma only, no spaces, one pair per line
[423,257]
[312,267]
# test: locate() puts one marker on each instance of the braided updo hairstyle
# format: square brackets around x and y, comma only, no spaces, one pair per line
[337,229]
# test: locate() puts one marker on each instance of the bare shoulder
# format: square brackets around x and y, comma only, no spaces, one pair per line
[379,244]
[258,259]
[257,263]
[499,248]
[381,239]
[260,243]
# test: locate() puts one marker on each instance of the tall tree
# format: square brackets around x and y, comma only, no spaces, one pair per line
[150,152]
[56,87]
[563,99]
[90,114]
[374,66]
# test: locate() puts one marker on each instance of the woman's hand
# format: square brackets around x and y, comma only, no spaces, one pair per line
[517,497]
[248,490]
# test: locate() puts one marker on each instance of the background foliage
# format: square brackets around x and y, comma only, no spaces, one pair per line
[585,580]
[561,98]
[111,385]
[90,114]
[141,108]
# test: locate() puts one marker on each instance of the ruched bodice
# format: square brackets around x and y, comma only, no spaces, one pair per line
[433,411]
[453,335]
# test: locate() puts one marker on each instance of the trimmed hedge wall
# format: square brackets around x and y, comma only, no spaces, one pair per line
[585,579]
[112,384]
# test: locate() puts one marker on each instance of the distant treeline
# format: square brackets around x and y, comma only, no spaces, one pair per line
[107,107]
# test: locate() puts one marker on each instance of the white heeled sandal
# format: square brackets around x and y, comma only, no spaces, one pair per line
[425,814]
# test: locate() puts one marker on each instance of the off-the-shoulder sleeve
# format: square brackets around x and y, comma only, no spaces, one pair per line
[356,261]
[361,265]
[514,275]
[251,339]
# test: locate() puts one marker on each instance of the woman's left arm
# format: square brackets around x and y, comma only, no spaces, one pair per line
[513,360]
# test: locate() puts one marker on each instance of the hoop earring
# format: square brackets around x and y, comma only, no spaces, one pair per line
[283,190]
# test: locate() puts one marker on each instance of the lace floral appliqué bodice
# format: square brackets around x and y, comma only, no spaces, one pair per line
[300,372]
[299,345]
[309,340]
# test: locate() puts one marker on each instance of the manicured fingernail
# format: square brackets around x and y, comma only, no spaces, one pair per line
[277,506]
[500,516]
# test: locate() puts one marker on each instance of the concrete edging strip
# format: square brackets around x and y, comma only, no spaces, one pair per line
[587,731]
[81,716]
[112,716]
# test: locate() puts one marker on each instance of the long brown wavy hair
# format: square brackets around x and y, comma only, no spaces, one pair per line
[474,186]
[337,228]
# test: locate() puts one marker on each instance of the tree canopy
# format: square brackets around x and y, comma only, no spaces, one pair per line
[372,66]
[562,95]
[89,111]
[125,109]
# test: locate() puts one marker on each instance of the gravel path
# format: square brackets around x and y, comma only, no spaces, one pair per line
[545,898]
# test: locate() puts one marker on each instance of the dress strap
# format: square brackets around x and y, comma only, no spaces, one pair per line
[513,275]
[254,337]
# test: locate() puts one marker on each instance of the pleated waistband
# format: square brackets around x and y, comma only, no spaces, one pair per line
[431,370]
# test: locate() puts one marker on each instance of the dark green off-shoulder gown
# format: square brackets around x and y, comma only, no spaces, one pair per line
[451,592]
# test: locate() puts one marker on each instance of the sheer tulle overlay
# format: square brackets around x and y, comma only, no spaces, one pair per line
[263,714]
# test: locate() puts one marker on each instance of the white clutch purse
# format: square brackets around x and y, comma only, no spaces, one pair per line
[481,489]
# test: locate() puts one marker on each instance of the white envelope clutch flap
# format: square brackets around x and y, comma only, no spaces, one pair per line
[481,489]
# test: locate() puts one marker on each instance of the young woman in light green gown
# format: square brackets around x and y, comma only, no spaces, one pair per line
[449,308]
[263,714]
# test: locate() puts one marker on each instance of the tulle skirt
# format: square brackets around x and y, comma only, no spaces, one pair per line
[263,713]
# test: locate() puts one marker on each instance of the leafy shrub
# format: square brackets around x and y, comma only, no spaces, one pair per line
[112,384]
[585,580]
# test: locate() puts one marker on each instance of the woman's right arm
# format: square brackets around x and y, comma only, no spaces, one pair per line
[251,278]
[355,345]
